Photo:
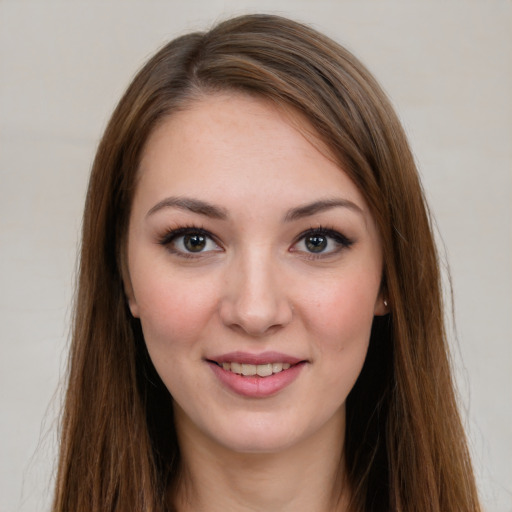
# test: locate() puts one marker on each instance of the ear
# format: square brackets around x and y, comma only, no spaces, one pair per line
[130,297]
[381,304]
[128,288]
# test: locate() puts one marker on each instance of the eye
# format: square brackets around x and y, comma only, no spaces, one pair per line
[316,243]
[189,241]
[321,241]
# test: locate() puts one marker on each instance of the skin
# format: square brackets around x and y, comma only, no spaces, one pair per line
[253,286]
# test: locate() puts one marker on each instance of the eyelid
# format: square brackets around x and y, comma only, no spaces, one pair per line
[172,234]
[339,238]
[342,241]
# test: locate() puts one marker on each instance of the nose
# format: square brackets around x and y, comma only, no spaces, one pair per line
[255,300]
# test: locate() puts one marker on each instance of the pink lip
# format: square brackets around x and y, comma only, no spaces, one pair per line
[261,358]
[255,386]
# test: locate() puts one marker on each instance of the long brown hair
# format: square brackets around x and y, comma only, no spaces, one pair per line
[405,448]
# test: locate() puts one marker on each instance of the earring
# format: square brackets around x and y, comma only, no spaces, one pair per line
[385,302]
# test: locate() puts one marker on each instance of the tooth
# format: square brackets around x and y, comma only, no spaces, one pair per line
[248,369]
[236,367]
[264,370]
[277,367]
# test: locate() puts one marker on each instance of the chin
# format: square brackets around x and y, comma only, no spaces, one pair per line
[260,442]
[262,433]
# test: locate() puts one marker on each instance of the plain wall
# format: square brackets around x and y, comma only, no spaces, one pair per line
[447,67]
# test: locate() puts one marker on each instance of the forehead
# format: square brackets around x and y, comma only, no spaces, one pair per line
[227,118]
[240,147]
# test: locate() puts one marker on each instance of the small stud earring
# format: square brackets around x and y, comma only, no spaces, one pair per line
[385,303]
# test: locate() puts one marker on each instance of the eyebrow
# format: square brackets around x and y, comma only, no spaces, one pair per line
[320,206]
[215,212]
[192,205]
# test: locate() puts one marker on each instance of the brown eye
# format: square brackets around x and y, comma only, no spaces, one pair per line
[190,242]
[316,243]
[194,243]
[321,242]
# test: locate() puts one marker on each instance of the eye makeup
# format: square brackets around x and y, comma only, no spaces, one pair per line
[321,242]
[192,241]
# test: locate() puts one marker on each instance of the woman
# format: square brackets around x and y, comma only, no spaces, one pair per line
[258,323]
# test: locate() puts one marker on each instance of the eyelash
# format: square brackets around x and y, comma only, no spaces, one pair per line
[170,237]
[339,239]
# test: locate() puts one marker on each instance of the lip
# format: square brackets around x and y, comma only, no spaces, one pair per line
[261,358]
[255,386]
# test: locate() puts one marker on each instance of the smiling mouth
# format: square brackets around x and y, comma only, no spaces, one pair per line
[252,370]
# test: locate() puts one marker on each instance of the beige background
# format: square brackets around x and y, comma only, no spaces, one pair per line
[63,65]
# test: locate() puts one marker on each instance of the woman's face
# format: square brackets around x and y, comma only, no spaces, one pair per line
[254,266]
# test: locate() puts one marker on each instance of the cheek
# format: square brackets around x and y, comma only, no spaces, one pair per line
[342,329]
[173,310]
[173,315]
[342,313]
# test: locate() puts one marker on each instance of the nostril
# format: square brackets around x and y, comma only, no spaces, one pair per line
[254,301]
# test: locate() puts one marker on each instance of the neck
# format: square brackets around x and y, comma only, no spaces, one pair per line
[301,478]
